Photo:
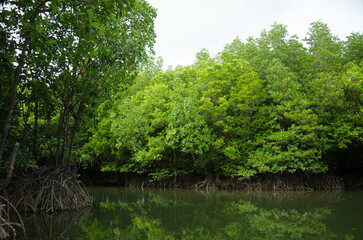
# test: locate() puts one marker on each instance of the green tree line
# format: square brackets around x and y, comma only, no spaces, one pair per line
[272,104]
[78,85]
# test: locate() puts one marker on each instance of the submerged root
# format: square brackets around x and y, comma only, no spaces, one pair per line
[205,185]
[49,190]
[9,223]
[57,225]
[298,181]
[359,184]
[277,182]
[293,182]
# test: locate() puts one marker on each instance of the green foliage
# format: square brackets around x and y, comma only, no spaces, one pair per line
[273,44]
[269,105]
[354,48]
[161,122]
[77,55]
[325,49]
[266,106]
[230,94]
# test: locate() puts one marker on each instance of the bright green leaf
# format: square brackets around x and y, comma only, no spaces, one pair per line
[101,30]
[112,16]
[52,41]
[96,24]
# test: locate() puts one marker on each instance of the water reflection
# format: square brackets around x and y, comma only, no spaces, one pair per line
[58,225]
[182,214]
[277,223]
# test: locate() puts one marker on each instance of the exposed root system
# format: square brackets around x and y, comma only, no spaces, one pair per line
[293,182]
[206,185]
[277,182]
[359,184]
[299,181]
[49,190]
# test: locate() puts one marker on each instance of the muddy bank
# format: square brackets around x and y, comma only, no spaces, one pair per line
[278,182]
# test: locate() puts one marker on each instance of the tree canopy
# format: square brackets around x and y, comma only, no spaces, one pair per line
[84,87]
[273,104]
[61,58]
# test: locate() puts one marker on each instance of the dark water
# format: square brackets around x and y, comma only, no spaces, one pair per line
[122,213]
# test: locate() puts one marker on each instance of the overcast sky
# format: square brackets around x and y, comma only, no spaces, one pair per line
[184,27]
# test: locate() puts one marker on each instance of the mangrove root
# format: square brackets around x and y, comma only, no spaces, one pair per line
[8,225]
[49,190]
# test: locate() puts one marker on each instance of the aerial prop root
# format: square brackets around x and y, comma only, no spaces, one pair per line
[300,181]
[49,190]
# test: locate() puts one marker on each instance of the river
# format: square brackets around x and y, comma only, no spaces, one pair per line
[123,213]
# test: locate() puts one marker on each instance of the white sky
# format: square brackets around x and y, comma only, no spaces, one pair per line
[184,27]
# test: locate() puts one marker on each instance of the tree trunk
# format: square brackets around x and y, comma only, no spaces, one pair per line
[65,140]
[77,121]
[205,171]
[14,89]
[63,127]
[35,142]
[16,82]
[7,179]
[60,136]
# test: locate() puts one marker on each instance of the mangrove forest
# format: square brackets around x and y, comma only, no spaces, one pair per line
[83,96]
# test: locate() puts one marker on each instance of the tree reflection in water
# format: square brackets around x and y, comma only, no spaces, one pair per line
[155,215]
[57,225]
[182,214]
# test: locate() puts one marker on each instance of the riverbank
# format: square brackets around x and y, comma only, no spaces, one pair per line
[301,181]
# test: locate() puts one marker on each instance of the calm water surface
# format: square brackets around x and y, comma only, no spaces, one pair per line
[122,213]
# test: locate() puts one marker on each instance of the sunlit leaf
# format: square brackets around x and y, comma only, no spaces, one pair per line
[90,13]
[52,41]
[112,16]
[101,30]
[96,24]
[41,29]
[94,53]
